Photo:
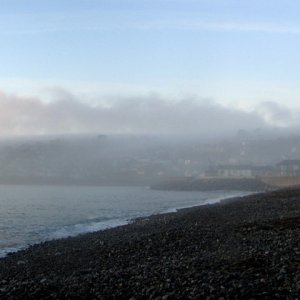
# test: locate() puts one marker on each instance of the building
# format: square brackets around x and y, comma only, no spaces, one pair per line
[229,171]
[234,171]
[289,167]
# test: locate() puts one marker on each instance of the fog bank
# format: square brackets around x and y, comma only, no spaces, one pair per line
[152,114]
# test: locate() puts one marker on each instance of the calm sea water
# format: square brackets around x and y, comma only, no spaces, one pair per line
[31,214]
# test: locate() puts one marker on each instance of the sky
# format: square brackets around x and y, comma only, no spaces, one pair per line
[114,57]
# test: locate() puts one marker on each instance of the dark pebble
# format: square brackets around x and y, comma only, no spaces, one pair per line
[245,248]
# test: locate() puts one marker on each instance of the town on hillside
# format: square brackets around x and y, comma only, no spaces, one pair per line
[117,160]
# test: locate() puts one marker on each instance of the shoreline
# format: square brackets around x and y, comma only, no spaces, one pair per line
[213,184]
[242,247]
[119,222]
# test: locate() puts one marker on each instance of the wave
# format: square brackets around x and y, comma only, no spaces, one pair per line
[7,250]
[73,230]
[207,201]
[81,228]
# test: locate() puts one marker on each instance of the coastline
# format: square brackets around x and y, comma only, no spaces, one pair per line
[88,227]
[238,248]
[213,184]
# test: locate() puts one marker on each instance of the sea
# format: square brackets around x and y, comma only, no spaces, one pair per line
[33,214]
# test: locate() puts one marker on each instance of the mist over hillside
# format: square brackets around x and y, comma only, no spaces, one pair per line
[127,159]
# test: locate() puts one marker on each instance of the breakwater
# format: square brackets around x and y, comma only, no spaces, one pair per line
[213,184]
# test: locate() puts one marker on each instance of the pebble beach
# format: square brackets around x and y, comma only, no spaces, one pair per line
[240,248]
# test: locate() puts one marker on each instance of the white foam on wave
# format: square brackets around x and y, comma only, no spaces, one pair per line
[73,230]
[7,250]
[69,231]
[176,209]
[207,201]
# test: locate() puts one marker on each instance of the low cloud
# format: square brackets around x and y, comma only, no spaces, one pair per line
[275,114]
[66,113]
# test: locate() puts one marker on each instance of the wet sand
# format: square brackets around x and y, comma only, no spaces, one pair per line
[242,248]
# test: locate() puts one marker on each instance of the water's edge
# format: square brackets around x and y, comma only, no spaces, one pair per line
[79,229]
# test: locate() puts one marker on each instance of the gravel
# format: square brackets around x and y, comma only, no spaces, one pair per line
[242,248]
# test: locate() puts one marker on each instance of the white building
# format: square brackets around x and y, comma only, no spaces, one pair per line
[289,167]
